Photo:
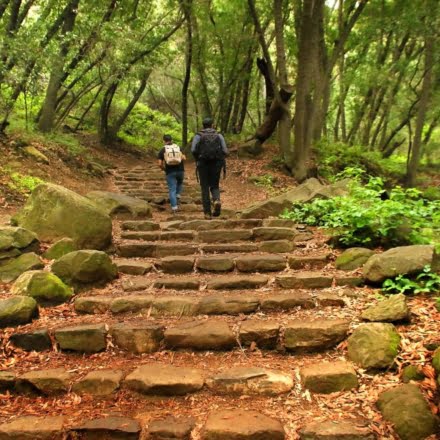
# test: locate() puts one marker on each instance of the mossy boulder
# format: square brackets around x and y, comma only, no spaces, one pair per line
[17,310]
[60,248]
[436,360]
[15,237]
[54,212]
[403,260]
[114,203]
[85,266]
[391,309]
[412,372]
[353,258]
[406,408]
[374,345]
[35,154]
[12,269]
[46,288]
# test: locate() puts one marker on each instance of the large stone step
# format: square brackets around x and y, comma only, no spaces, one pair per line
[206,335]
[305,280]
[216,304]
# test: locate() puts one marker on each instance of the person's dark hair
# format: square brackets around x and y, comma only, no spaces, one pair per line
[167,138]
[208,123]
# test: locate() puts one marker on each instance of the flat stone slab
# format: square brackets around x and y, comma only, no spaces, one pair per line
[263,333]
[138,337]
[329,377]
[33,428]
[99,383]
[171,428]
[260,263]
[38,340]
[131,303]
[274,233]
[7,381]
[287,301]
[228,305]
[83,338]
[140,225]
[164,380]
[175,306]
[92,304]
[251,381]
[208,225]
[223,248]
[330,300]
[312,261]
[304,280]
[141,235]
[48,382]
[201,335]
[177,235]
[314,335]
[136,284]
[240,424]
[110,428]
[215,263]
[132,267]
[224,235]
[177,264]
[332,429]
[237,282]
[174,249]
[276,246]
[136,249]
[183,283]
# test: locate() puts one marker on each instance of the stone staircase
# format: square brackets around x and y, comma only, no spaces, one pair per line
[217,330]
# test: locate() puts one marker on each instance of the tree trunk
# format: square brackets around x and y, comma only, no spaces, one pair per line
[414,156]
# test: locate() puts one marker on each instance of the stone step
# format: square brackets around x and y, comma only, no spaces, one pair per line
[221,424]
[217,304]
[301,335]
[306,280]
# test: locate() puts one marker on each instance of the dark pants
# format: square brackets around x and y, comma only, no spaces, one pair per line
[209,175]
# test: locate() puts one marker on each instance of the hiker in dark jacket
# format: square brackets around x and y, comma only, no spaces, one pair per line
[210,150]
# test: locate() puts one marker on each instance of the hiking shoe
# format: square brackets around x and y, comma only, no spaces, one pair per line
[178,199]
[207,216]
[175,210]
[217,208]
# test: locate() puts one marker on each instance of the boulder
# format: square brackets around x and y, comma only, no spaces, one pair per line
[239,424]
[85,267]
[374,346]
[412,372]
[15,237]
[405,407]
[17,310]
[403,260]
[60,248]
[251,381]
[436,360]
[164,380]
[329,377]
[114,203]
[54,212]
[46,288]
[394,308]
[12,269]
[353,258]
[35,154]
[276,205]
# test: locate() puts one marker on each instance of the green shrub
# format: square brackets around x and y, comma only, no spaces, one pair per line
[24,183]
[363,218]
[425,282]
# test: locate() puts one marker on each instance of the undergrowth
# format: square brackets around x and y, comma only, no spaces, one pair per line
[369,216]
[425,282]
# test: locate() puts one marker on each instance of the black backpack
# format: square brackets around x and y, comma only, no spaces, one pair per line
[209,146]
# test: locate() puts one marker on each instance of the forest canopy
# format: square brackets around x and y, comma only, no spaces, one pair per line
[320,77]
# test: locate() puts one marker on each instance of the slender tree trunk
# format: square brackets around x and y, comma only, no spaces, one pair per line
[414,157]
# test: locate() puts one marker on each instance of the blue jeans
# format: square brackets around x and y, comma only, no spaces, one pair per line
[175,186]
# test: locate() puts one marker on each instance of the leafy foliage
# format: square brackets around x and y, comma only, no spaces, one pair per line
[363,218]
[425,282]
[24,183]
